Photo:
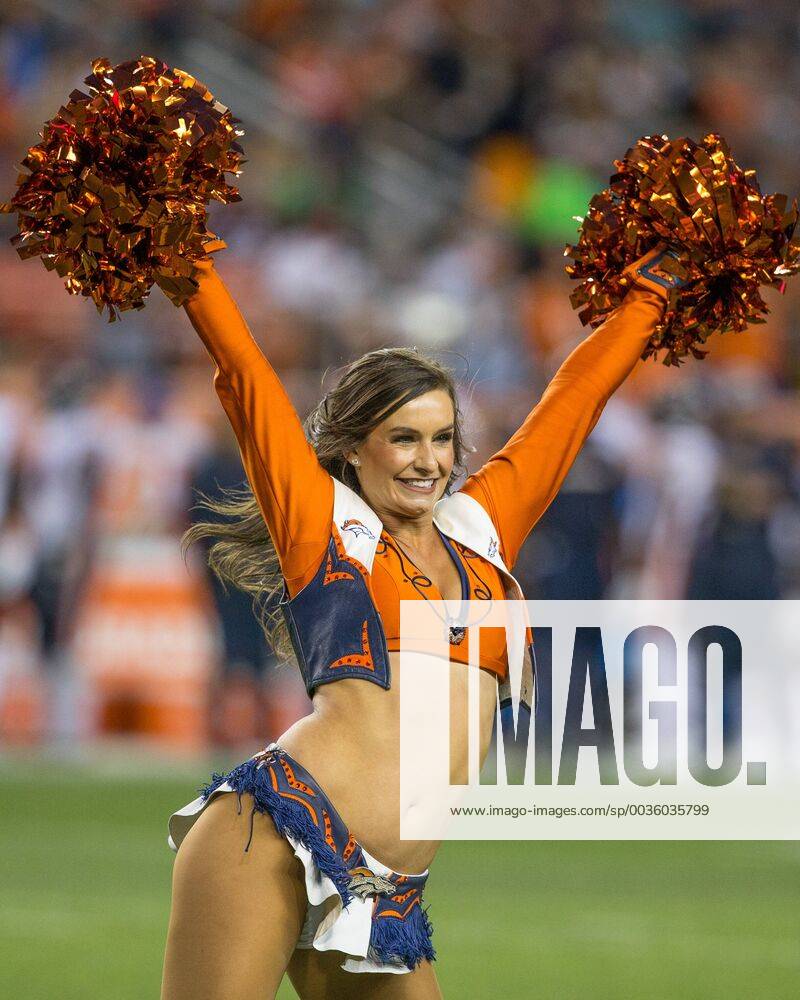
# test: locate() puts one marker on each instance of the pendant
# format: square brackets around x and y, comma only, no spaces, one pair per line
[457,633]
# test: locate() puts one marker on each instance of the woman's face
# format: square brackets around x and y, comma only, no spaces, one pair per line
[404,464]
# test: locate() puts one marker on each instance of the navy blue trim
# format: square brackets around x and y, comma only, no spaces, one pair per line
[393,939]
[666,281]
[325,624]
[457,632]
[406,939]
[507,703]
[289,816]
[462,573]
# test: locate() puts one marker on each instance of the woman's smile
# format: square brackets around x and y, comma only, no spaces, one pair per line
[419,485]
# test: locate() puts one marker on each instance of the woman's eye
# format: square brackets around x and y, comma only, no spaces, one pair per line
[408,437]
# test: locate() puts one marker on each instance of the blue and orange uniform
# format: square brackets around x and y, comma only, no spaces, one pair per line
[514,487]
[324,532]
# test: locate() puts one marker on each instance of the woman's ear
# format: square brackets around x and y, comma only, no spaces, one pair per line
[352,458]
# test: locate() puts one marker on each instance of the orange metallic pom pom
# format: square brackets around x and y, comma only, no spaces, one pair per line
[116,194]
[728,240]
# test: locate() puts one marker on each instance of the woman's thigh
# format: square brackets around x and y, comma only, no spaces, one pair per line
[235,916]
[316,975]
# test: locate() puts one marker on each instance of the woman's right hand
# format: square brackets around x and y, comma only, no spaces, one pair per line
[648,272]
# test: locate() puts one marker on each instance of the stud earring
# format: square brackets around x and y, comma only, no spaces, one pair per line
[355,461]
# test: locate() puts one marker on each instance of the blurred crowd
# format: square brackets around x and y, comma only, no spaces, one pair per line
[414,169]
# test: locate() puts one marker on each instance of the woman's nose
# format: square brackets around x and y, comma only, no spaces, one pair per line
[425,459]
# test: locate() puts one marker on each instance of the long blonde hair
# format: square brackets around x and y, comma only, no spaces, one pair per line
[372,388]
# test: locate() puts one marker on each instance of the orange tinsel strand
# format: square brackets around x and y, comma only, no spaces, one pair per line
[116,194]
[727,237]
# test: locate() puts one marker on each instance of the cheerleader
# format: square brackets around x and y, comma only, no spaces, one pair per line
[293,862]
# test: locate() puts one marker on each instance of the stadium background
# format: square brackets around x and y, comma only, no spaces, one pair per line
[413,169]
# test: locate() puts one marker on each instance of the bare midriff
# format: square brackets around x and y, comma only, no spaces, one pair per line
[350,741]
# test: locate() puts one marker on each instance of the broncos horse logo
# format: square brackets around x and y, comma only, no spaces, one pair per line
[364,882]
[358,529]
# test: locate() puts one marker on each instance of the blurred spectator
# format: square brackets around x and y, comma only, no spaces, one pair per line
[60,472]
[735,559]
[414,169]
[236,694]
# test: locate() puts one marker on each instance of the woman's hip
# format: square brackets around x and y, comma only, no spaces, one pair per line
[357,904]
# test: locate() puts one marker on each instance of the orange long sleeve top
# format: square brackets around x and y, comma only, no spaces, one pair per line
[515,486]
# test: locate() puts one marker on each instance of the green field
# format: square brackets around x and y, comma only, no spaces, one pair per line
[84,899]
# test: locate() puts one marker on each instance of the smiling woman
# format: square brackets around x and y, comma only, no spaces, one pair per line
[313,877]
[408,455]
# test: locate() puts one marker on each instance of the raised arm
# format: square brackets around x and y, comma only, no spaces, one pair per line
[294,492]
[518,483]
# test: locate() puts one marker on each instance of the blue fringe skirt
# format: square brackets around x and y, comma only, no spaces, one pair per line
[356,905]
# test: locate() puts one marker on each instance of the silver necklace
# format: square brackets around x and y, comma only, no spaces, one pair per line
[455,633]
